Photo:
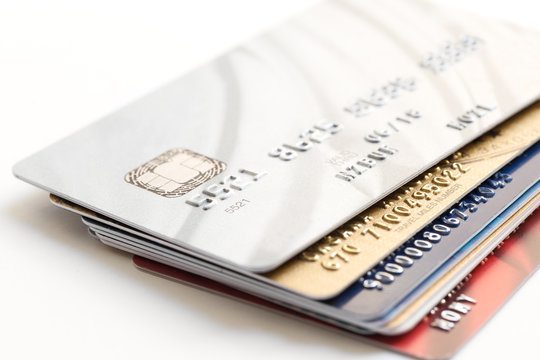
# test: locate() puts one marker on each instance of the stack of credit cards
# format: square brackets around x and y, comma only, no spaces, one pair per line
[351,167]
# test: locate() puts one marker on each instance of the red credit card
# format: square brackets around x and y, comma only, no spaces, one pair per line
[442,332]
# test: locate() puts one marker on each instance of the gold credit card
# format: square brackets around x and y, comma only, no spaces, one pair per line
[326,268]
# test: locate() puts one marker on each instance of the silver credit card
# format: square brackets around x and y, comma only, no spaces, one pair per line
[256,155]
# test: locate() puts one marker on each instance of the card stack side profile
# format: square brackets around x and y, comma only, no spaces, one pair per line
[368,167]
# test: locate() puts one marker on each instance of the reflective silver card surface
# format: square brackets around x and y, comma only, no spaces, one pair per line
[254,156]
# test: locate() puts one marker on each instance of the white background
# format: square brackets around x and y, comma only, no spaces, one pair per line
[63,295]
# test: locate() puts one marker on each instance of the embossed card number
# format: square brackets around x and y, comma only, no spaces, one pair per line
[225,188]
[314,135]
[451,53]
[380,96]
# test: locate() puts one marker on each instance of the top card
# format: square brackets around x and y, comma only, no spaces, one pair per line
[254,156]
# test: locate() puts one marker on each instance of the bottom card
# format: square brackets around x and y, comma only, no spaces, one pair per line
[449,325]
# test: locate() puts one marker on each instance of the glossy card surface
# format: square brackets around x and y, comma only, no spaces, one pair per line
[315,120]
